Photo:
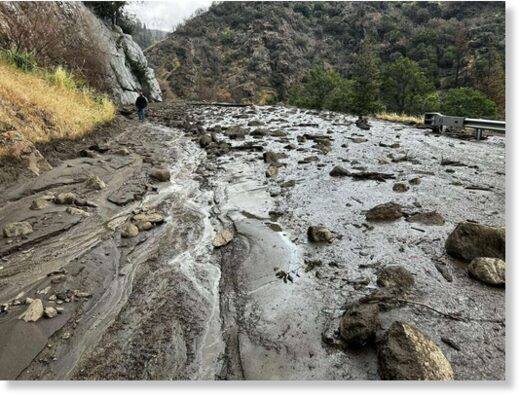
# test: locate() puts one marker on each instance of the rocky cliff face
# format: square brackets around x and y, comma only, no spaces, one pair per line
[67,33]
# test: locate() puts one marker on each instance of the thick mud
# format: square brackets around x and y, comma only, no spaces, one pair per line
[166,304]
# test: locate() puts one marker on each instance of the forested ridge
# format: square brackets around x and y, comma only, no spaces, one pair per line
[402,57]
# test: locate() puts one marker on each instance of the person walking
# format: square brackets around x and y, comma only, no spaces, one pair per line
[141,103]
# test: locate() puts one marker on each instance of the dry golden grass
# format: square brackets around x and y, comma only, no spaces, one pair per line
[399,118]
[44,107]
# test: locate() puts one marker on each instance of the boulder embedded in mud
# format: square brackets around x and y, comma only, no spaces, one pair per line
[339,171]
[272,157]
[415,181]
[16,229]
[205,140]
[129,230]
[271,171]
[17,146]
[359,324]
[490,271]
[96,183]
[395,277]
[400,187]
[384,212]
[39,204]
[65,198]
[76,211]
[34,312]
[160,174]
[427,218]
[471,240]
[319,234]
[406,353]
[222,238]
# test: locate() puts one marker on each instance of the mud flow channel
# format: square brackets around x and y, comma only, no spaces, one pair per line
[167,304]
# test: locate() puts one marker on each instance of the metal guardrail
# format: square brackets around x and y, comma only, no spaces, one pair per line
[437,122]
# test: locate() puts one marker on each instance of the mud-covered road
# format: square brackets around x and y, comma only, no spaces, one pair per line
[167,304]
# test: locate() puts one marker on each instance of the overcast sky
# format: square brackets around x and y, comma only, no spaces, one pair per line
[164,15]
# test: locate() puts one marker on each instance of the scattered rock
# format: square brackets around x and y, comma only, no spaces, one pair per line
[16,145]
[287,184]
[442,268]
[205,140]
[362,123]
[39,204]
[50,312]
[375,176]
[359,324]
[272,157]
[384,212]
[358,139]
[415,181]
[160,174]
[405,353]
[34,312]
[471,240]
[77,211]
[16,229]
[319,234]
[427,218]
[395,277]
[271,171]
[122,151]
[129,230]
[400,187]
[222,238]
[96,183]
[150,216]
[339,171]
[490,271]
[58,279]
[65,198]
[143,225]
[66,335]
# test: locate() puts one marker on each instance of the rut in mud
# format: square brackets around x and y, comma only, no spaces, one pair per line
[166,304]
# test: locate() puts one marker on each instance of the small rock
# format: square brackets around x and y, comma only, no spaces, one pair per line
[50,312]
[490,271]
[16,229]
[471,240]
[415,181]
[143,225]
[427,218]
[405,353]
[28,301]
[205,140]
[384,212]
[123,151]
[339,171]
[272,171]
[395,277]
[77,211]
[58,279]
[160,174]
[96,183]
[39,204]
[66,336]
[129,230]
[65,198]
[400,187]
[319,234]
[59,309]
[34,312]
[150,216]
[359,324]
[222,238]
[272,157]
[362,123]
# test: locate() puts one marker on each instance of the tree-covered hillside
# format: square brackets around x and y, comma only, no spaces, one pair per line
[261,51]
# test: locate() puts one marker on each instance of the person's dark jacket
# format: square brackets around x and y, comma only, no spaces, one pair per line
[141,102]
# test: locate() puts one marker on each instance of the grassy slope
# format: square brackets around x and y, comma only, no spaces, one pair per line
[43,108]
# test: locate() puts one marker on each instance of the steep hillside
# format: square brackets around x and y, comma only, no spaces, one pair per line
[68,34]
[256,50]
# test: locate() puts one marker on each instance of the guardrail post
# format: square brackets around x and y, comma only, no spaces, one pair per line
[478,134]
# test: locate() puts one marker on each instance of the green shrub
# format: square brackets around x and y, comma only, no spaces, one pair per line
[22,60]
[467,102]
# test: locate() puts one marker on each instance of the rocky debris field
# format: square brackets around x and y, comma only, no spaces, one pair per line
[258,242]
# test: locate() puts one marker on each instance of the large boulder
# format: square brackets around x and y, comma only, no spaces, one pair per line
[471,240]
[34,312]
[491,271]
[405,353]
[359,324]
